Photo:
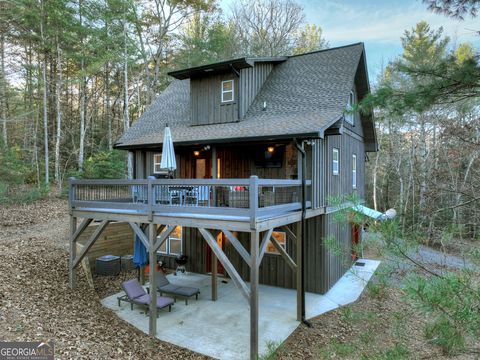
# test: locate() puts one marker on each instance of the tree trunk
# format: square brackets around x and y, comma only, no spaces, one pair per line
[45,104]
[108,116]
[3,90]
[81,149]
[126,119]
[58,90]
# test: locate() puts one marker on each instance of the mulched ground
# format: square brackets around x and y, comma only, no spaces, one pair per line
[36,304]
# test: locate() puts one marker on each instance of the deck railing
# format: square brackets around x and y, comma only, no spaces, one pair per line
[253,197]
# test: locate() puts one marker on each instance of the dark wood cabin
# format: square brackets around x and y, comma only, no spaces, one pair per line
[239,118]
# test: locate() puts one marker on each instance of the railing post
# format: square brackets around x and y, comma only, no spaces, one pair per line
[253,192]
[71,192]
[150,199]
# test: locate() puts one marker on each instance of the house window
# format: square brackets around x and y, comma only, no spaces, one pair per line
[227,91]
[281,238]
[173,245]
[157,160]
[350,116]
[335,161]
[354,171]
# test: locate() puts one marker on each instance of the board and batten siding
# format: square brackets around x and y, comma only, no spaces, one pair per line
[341,184]
[317,161]
[251,81]
[206,100]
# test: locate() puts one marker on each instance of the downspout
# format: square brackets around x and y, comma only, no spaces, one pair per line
[300,148]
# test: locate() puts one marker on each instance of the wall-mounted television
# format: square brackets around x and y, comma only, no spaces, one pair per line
[269,156]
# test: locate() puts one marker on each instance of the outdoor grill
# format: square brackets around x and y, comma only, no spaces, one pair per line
[108,265]
[181,261]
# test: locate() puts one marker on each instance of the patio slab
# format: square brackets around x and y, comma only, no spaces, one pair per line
[221,329]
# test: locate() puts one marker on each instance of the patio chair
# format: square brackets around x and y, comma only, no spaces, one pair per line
[136,294]
[164,286]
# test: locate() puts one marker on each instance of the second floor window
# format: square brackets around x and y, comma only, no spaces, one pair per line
[350,116]
[335,161]
[227,91]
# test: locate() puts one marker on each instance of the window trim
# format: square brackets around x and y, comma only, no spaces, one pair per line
[167,251]
[350,117]
[159,163]
[228,91]
[354,171]
[337,161]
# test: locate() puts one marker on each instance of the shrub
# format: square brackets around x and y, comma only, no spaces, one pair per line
[104,165]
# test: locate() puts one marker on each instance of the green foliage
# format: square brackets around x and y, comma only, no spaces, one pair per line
[397,352]
[378,286]
[453,302]
[426,75]
[12,167]
[15,178]
[273,348]
[205,39]
[443,333]
[310,39]
[336,349]
[104,165]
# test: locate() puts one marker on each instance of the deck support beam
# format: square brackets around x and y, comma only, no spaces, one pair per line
[141,235]
[214,277]
[72,279]
[254,253]
[96,234]
[284,254]
[300,279]
[263,246]
[152,235]
[228,266]
[238,246]
[163,237]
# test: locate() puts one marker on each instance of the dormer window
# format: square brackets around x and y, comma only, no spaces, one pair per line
[227,91]
[350,116]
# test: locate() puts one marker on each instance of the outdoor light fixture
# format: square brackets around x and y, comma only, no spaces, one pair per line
[270,149]
[196,153]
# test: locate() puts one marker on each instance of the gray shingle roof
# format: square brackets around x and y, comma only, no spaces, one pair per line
[304,95]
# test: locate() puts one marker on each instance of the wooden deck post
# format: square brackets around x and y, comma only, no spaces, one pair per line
[300,285]
[152,234]
[214,277]
[72,279]
[254,244]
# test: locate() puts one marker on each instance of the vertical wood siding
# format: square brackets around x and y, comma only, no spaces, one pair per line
[317,173]
[251,81]
[206,100]
[341,184]
[323,267]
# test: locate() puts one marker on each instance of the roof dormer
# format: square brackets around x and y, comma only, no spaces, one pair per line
[223,92]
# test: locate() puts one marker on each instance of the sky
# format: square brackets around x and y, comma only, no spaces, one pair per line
[379,24]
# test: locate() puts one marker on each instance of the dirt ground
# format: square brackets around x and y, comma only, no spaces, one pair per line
[36,304]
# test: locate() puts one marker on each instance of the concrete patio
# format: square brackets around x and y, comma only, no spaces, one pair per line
[220,329]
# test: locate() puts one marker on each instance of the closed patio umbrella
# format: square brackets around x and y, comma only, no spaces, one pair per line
[140,258]
[168,161]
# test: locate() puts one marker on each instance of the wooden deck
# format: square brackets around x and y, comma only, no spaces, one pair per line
[255,206]
[233,204]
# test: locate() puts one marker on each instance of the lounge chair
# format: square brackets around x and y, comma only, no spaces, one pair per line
[135,294]
[164,286]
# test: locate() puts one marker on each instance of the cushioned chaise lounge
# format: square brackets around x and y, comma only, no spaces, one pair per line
[135,294]
[164,286]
